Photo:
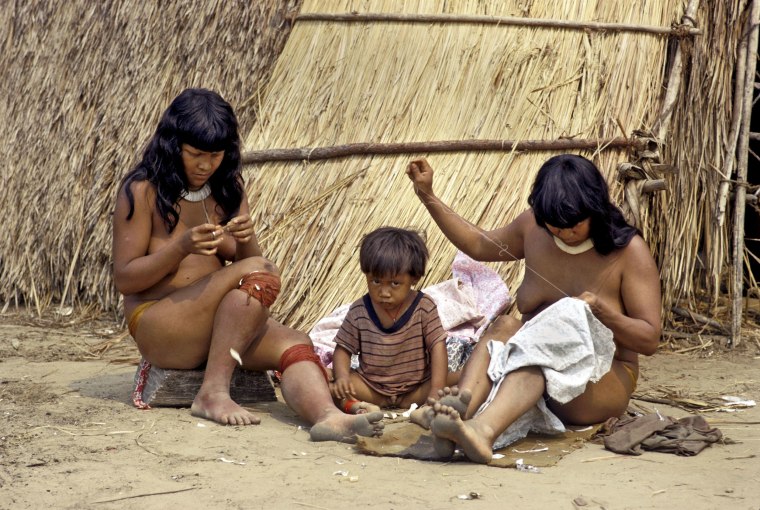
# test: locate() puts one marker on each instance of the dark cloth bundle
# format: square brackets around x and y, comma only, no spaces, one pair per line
[687,436]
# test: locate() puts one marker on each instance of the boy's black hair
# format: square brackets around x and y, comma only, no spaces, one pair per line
[389,251]
[567,190]
[203,119]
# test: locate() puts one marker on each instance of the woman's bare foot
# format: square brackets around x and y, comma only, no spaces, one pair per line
[447,397]
[422,416]
[451,397]
[337,426]
[456,398]
[472,437]
[219,407]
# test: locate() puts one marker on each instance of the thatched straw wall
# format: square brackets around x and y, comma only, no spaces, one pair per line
[337,83]
[87,82]
[84,84]
[694,250]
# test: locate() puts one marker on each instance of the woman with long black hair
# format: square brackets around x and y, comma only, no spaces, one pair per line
[196,286]
[575,244]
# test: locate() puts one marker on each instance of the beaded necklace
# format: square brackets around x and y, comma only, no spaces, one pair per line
[196,195]
[574,250]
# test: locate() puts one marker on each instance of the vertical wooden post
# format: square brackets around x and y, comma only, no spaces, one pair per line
[741,174]
[662,124]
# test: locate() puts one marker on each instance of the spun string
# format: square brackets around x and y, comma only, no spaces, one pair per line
[205,212]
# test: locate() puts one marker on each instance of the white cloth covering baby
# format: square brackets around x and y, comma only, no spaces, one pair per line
[571,347]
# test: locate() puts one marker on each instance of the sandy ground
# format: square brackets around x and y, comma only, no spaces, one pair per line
[69,438]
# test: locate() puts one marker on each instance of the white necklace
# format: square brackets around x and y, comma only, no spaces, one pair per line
[197,195]
[574,250]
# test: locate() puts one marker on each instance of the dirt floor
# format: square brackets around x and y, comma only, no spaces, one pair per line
[70,438]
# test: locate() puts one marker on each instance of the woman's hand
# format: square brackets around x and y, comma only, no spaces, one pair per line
[202,240]
[240,228]
[421,174]
[593,302]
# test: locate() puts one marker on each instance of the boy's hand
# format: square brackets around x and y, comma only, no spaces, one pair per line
[342,388]
[421,174]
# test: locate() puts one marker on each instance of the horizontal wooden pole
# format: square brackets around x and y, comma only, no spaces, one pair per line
[366,149]
[653,185]
[680,31]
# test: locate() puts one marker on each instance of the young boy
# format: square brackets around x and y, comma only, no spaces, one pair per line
[394,329]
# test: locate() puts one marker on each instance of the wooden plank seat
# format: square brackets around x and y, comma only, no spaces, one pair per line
[177,388]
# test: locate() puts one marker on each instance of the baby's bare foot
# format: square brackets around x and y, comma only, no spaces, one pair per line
[471,437]
[219,407]
[344,427]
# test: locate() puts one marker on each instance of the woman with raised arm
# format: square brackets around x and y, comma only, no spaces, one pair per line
[575,243]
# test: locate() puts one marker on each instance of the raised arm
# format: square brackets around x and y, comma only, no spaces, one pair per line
[134,269]
[638,327]
[501,244]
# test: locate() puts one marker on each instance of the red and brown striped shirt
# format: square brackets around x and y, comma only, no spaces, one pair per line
[394,360]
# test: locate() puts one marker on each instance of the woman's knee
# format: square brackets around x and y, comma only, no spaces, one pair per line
[260,279]
[503,328]
[253,264]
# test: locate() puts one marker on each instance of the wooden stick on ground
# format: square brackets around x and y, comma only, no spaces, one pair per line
[698,318]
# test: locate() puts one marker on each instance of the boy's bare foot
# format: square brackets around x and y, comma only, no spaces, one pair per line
[471,437]
[342,427]
[359,407]
[219,407]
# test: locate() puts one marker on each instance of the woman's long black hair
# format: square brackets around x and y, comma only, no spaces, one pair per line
[568,189]
[203,119]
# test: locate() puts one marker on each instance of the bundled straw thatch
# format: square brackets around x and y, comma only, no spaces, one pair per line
[693,240]
[84,84]
[390,82]
[88,81]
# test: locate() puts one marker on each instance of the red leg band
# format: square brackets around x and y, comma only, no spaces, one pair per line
[261,286]
[301,352]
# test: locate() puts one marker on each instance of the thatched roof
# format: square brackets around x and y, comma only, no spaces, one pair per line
[85,83]
[89,80]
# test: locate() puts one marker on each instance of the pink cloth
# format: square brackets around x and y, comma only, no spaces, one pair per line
[491,294]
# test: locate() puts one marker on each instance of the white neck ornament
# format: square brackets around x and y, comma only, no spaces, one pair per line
[574,250]
[197,195]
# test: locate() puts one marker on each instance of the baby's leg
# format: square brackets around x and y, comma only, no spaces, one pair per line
[364,400]
[419,396]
